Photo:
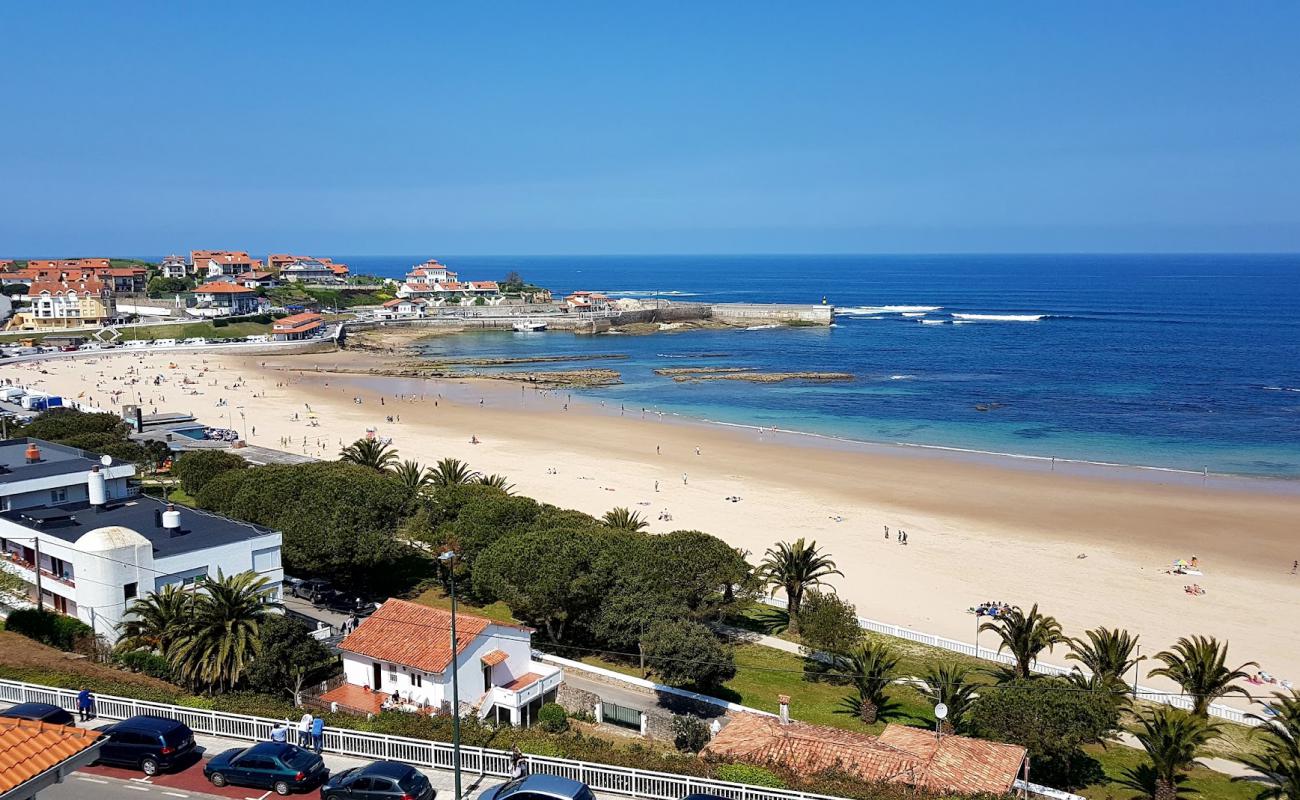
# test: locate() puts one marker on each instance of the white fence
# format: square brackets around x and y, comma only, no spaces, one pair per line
[968,648]
[436,755]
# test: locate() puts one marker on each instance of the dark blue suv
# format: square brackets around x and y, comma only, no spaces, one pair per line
[150,744]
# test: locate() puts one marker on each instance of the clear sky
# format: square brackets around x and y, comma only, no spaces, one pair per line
[666,127]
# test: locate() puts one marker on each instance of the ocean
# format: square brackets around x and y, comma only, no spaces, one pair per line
[1184,362]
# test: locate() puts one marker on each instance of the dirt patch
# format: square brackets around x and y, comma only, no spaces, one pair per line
[21,653]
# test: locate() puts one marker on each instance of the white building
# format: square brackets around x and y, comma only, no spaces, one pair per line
[311,271]
[99,544]
[403,308]
[216,263]
[174,267]
[402,654]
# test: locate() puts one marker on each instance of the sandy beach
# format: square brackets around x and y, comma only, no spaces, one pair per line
[1091,550]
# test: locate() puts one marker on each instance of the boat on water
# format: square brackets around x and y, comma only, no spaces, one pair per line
[529,326]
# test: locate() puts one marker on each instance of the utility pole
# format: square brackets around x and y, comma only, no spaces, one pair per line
[449,558]
[40,599]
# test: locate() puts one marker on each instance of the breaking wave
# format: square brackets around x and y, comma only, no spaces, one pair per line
[858,311]
[1000,317]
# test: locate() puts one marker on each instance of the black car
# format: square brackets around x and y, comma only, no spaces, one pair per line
[39,712]
[382,780]
[313,590]
[151,744]
[279,766]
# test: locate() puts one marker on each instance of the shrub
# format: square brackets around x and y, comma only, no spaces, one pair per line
[688,654]
[195,469]
[53,629]
[690,734]
[828,624]
[151,664]
[220,322]
[747,773]
[553,718]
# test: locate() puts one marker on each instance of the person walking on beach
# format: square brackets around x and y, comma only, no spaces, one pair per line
[886,533]
[1295,565]
[683,479]
[657,489]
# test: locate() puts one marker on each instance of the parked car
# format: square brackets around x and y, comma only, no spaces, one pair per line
[382,780]
[39,712]
[278,766]
[313,589]
[539,787]
[150,744]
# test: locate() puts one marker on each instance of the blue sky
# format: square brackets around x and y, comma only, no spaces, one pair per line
[666,127]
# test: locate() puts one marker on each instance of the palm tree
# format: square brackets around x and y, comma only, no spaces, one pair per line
[624,520]
[1107,654]
[1197,665]
[1025,635]
[871,667]
[452,472]
[1172,739]
[413,476]
[796,568]
[370,453]
[153,622]
[496,482]
[950,684]
[1279,763]
[222,638]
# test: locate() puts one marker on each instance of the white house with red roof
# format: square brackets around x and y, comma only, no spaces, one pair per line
[216,263]
[403,308]
[220,298]
[401,657]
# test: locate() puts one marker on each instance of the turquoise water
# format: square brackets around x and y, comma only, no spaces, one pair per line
[1182,362]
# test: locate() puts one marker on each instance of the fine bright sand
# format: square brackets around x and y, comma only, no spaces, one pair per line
[976,530]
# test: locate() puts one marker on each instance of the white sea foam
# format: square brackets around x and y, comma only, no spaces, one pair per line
[1280,389]
[853,311]
[932,321]
[914,313]
[902,377]
[645,293]
[1000,317]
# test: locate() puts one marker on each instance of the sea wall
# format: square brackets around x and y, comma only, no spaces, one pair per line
[773,312]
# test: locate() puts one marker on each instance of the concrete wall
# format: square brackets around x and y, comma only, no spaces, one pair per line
[774,312]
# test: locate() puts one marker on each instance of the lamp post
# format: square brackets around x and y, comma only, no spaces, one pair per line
[448,558]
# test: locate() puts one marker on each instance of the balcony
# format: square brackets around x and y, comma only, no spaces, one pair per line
[539,680]
[12,562]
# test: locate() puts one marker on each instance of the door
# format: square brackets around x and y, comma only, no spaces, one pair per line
[378,682]
[487,677]
[129,747]
[360,788]
[254,771]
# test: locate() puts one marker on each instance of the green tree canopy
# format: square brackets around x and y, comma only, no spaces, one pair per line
[796,568]
[828,624]
[338,519]
[688,654]
[1050,717]
[197,468]
[546,577]
[289,658]
[58,424]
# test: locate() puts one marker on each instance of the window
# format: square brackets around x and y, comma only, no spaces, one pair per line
[129,591]
[417,679]
[59,495]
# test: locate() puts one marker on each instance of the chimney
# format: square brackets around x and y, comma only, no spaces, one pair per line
[784,701]
[33,453]
[96,488]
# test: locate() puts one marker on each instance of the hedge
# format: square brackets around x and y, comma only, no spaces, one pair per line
[56,630]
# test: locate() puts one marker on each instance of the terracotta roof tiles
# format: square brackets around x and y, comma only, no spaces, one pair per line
[414,635]
[29,748]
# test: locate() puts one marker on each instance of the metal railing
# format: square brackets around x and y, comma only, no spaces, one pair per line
[423,753]
[988,654]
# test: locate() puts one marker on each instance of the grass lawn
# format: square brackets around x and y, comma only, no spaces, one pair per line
[1117,758]
[196,330]
[437,598]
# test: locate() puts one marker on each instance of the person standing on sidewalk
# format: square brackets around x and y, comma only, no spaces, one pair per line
[317,733]
[85,704]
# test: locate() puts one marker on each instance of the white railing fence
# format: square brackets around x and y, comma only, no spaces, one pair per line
[436,755]
[989,654]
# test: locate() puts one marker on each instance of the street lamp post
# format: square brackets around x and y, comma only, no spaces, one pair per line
[448,558]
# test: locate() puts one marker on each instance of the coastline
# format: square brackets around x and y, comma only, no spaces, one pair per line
[980,528]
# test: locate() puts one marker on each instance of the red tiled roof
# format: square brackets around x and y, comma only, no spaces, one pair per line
[298,322]
[29,748]
[899,754]
[59,287]
[394,303]
[414,635]
[494,657]
[221,287]
[256,276]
